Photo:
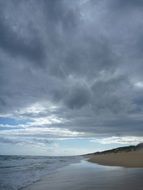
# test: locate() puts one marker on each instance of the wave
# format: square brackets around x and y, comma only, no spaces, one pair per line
[28,169]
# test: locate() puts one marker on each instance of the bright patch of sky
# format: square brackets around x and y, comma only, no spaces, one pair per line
[37,137]
[13,121]
[55,147]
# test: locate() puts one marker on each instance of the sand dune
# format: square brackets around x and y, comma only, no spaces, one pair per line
[127,157]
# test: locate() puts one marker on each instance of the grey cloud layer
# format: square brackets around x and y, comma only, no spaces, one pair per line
[83,56]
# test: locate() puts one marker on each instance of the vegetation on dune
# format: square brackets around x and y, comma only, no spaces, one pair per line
[121,149]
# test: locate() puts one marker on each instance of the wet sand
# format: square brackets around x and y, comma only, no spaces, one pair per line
[132,159]
[89,176]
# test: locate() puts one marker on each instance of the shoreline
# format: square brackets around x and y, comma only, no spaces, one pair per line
[85,175]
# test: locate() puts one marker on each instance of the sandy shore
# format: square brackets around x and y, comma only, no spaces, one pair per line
[125,159]
[89,176]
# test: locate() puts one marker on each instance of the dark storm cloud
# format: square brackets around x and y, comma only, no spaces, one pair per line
[17,47]
[84,57]
[78,97]
[121,4]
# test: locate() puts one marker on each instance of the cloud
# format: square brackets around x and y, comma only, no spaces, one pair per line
[78,97]
[41,142]
[72,66]
[126,140]
[34,131]
[11,40]
[9,140]
[127,4]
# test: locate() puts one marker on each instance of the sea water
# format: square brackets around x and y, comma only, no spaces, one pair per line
[19,171]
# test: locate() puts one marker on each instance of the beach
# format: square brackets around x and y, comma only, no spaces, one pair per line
[132,159]
[109,170]
[120,169]
[89,176]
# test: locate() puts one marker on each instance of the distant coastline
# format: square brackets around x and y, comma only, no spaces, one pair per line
[130,156]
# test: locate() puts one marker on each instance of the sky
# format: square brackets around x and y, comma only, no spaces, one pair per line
[71,76]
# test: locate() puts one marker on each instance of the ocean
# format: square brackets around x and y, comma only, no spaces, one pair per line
[62,173]
[17,172]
